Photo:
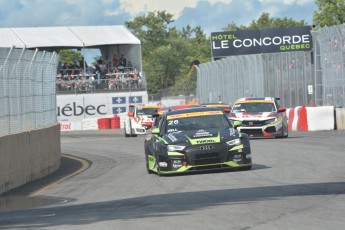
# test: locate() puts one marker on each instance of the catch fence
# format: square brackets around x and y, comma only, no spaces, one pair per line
[27,90]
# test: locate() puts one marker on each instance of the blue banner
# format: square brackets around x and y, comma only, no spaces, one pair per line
[135,99]
[119,100]
[117,110]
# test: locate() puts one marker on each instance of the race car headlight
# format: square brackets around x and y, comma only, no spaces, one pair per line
[234,142]
[270,121]
[172,148]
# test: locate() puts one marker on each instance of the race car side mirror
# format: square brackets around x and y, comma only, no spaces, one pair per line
[237,124]
[155,131]
[227,110]
[280,110]
[130,114]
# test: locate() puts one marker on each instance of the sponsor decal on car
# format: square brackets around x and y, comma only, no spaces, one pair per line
[163,164]
[177,164]
[194,114]
[202,133]
[172,137]
[205,140]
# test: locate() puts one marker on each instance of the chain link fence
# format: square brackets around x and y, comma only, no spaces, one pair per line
[27,90]
[330,78]
[297,78]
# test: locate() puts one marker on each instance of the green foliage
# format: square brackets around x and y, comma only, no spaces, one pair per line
[151,29]
[265,22]
[331,12]
[69,56]
[167,53]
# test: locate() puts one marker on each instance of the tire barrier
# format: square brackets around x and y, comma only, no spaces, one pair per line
[115,122]
[303,118]
[104,123]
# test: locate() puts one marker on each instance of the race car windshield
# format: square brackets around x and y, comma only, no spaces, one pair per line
[253,107]
[146,111]
[197,122]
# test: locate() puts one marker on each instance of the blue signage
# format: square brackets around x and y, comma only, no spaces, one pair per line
[119,100]
[119,109]
[135,99]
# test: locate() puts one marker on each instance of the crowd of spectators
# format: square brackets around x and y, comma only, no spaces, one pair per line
[118,74]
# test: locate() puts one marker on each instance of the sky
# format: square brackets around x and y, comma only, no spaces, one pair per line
[210,15]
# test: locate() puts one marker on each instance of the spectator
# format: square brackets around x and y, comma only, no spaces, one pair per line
[122,63]
[98,70]
[75,68]
[83,65]
[65,70]
[130,66]
[115,61]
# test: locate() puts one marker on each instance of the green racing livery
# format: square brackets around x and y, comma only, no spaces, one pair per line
[196,139]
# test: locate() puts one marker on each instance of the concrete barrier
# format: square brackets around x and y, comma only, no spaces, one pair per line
[320,118]
[305,119]
[28,156]
[340,118]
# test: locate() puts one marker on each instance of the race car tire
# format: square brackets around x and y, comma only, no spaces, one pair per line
[287,133]
[131,130]
[158,168]
[283,135]
[286,136]
[126,134]
[147,164]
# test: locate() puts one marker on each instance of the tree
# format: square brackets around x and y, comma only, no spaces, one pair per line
[151,29]
[265,22]
[69,56]
[331,12]
[168,52]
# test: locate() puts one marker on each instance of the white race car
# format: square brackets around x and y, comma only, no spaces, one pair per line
[260,117]
[139,119]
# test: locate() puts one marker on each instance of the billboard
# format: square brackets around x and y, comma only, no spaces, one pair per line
[230,43]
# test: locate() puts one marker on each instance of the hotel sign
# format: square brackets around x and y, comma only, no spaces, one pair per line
[229,43]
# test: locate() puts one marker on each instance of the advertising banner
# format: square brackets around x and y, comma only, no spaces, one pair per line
[230,43]
[75,108]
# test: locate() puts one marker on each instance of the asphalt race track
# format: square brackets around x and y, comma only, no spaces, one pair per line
[295,183]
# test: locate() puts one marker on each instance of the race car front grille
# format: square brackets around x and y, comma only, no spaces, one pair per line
[252,123]
[199,155]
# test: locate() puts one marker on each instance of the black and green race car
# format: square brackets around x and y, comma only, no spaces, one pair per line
[196,139]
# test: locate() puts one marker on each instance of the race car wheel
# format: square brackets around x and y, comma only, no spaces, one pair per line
[158,168]
[126,134]
[281,135]
[287,133]
[147,164]
[131,130]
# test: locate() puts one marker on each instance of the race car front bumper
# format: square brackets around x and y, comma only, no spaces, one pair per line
[221,157]
[262,128]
